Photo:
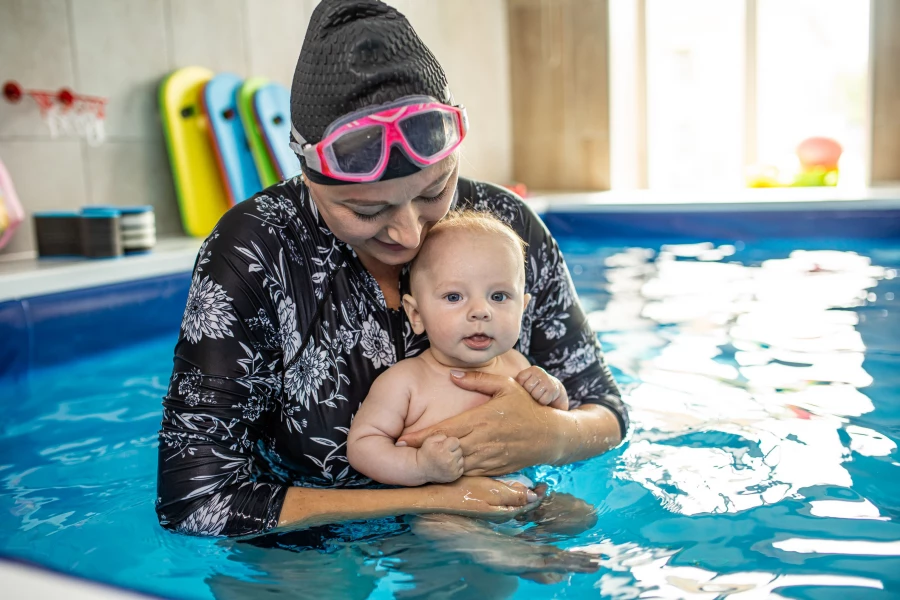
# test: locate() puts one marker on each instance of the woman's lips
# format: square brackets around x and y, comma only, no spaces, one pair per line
[391,247]
[478,341]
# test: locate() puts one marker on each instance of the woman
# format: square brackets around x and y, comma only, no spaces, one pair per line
[294,309]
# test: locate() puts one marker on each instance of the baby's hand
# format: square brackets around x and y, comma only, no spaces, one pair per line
[440,458]
[543,387]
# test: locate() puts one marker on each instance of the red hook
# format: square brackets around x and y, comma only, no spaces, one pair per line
[65,97]
[12,91]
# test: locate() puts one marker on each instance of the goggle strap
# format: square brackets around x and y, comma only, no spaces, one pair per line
[302,148]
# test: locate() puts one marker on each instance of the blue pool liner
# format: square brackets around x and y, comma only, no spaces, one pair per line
[46,330]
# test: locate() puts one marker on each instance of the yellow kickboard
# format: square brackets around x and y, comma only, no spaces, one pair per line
[201,193]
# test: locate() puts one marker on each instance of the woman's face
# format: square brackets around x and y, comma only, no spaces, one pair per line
[386,221]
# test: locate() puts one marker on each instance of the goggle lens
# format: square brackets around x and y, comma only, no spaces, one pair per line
[359,150]
[430,132]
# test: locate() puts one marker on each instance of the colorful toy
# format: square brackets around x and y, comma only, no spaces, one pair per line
[11,207]
[202,198]
[818,157]
[229,141]
[4,217]
[267,173]
[765,176]
[272,110]
[819,152]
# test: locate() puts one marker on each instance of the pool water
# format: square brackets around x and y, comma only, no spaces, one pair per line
[764,386]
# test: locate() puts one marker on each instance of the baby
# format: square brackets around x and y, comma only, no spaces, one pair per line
[468,292]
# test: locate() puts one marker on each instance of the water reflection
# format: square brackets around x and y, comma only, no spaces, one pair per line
[636,572]
[399,566]
[744,396]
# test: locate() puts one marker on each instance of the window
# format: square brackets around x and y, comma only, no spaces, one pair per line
[702,89]
[812,79]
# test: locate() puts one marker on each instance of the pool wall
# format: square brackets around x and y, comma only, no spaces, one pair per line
[46,329]
[744,221]
[40,331]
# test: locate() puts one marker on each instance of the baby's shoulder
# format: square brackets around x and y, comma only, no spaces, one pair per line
[409,370]
[513,363]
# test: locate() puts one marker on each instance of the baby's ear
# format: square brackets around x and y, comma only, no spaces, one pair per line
[412,313]
[527,300]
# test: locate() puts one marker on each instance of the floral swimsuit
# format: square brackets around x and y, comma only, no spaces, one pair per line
[283,334]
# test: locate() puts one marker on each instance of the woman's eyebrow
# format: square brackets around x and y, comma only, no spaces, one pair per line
[440,179]
[366,203]
[441,176]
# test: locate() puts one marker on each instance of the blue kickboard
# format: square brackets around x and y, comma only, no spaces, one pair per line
[228,137]
[272,109]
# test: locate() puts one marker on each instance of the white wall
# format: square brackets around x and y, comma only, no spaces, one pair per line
[123,48]
[470,39]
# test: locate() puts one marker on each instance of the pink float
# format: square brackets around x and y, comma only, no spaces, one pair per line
[15,214]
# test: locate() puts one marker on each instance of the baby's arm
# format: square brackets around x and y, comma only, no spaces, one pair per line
[378,424]
[543,387]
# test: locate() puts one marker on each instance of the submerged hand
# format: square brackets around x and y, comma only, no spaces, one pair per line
[507,434]
[560,515]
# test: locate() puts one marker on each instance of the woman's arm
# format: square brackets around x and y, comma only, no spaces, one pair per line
[471,496]
[239,324]
[531,434]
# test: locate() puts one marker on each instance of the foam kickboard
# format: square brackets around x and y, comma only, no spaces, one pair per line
[272,109]
[12,208]
[267,173]
[201,193]
[228,138]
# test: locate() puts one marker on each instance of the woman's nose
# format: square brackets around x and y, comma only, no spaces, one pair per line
[405,229]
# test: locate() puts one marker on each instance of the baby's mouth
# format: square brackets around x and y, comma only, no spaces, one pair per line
[479,341]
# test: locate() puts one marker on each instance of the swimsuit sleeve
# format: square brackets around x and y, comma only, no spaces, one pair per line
[562,341]
[226,378]
[555,332]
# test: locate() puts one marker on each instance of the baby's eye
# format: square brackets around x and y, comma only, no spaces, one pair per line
[453,297]
[499,296]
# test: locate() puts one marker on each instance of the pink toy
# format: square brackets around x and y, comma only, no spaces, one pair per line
[819,152]
[10,200]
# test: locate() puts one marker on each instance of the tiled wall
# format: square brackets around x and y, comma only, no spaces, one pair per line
[123,48]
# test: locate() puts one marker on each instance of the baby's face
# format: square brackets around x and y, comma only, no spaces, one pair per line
[468,294]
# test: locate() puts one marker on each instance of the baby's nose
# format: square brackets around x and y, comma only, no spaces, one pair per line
[480,313]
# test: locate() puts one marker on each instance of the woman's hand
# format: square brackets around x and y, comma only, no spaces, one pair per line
[481,497]
[512,431]
[507,434]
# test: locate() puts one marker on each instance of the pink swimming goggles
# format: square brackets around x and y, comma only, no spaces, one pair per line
[357,146]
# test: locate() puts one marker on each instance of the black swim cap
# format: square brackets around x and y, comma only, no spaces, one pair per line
[356,54]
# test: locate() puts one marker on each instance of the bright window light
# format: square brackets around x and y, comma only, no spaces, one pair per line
[695,93]
[812,73]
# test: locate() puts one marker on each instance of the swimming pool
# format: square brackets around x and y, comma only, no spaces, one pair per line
[763,376]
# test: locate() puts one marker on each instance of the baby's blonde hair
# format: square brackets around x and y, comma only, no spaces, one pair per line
[469,220]
[477,221]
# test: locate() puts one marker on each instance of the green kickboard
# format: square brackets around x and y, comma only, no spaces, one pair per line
[268,174]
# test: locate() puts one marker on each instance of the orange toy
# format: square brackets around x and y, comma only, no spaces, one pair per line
[819,152]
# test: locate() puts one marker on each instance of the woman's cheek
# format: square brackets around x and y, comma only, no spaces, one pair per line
[435,212]
[358,231]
